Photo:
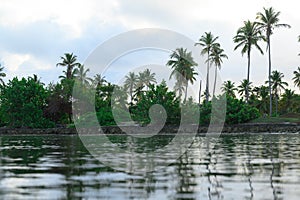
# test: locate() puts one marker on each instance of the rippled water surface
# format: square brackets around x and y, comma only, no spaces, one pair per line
[228,167]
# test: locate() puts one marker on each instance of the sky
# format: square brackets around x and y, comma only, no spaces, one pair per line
[34,34]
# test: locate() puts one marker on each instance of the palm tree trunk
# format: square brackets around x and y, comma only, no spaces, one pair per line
[248,77]
[270,69]
[276,104]
[186,88]
[200,85]
[215,82]
[207,79]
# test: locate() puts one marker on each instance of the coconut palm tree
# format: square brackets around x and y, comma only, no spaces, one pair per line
[99,80]
[182,64]
[245,88]
[216,58]
[287,99]
[69,61]
[246,37]
[207,41]
[268,21]
[296,78]
[229,88]
[145,78]
[277,84]
[130,84]
[2,75]
[81,75]
[263,93]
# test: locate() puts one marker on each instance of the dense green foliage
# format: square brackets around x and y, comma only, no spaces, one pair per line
[22,104]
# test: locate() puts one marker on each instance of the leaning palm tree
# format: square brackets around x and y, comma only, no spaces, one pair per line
[207,41]
[268,21]
[245,88]
[69,61]
[277,84]
[246,37]
[2,75]
[216,58]
[182,64]
[296,77]
[130,84]
[81,75]
[229,88]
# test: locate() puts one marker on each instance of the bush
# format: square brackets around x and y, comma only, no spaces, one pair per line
[237,111]
[23,102]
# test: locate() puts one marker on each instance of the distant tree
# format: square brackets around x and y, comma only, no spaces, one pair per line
[130,84]
[296,77]
[69,61]
[2,75]
[244,87]
[207,41]
[277,84]
[80,74]
[268,20]
[182,64]
[247,37]
[229,88]
[216,56]
[146,78]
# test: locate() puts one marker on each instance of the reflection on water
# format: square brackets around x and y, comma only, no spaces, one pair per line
[234,167]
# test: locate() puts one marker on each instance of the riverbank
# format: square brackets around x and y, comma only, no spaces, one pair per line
[239,128]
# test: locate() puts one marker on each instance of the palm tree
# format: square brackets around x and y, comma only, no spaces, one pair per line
[287,99]
[296,78]
[299,41]
[69,61]
[130,84]
[216,58]
[228,88]
[99,80]
[81,75]
[207,41]
[245,88]
[268,21]
[277,84]
[246,37]
[262,93]
[2,75]
[182,64]
[146,78]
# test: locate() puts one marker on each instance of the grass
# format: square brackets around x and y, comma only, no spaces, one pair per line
[291,117]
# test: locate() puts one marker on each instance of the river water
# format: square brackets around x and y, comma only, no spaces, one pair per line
[262,166]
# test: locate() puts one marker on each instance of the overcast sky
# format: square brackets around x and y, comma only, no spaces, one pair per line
[35,33]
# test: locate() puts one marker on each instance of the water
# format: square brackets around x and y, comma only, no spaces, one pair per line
[235,167]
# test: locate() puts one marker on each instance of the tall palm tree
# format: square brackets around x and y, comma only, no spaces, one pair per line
[245,88]
[229,88]
[130,84]
[216,58]
[69,61]
[2,75]
[296,77]
[207,41]
[268,21]
[81,75]
[182,64]
[246,37]
[277,84]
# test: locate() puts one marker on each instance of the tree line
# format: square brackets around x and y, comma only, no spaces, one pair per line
[27,102]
